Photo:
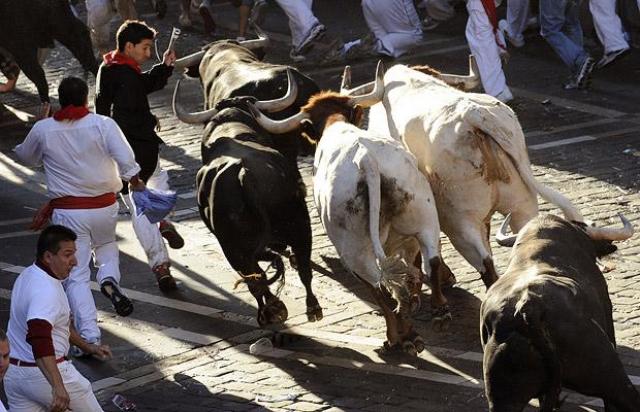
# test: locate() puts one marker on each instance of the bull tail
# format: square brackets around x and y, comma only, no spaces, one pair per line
[531,314]
[392,269]
[501,125]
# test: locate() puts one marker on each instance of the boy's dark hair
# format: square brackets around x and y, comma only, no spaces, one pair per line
[51,237]
[133,31]
[72,91]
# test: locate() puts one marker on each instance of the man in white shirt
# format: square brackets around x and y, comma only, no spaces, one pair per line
[4,360]
[85,158]
[40,331]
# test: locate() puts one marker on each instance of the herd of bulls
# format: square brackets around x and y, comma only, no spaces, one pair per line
[434,157]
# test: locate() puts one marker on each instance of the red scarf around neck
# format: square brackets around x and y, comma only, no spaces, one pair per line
[71,112]
[116,57]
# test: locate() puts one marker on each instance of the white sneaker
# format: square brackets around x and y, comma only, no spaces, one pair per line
[505,96]
[503,26]
[296,56]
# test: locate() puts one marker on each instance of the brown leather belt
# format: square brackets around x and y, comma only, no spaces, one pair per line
[19,362]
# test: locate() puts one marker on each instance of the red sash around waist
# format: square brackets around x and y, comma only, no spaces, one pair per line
[70,202]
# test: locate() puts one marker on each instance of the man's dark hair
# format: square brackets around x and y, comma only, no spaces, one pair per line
[133,31]
[72,91]
[51,237]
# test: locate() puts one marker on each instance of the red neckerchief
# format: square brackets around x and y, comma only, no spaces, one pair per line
[492,14]
[115,57]
[71,112]
[46,268]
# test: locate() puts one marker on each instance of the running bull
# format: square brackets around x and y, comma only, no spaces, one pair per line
[375,205]
[547,322]
[252,198]
[233,69]
[26,25]
[472,150]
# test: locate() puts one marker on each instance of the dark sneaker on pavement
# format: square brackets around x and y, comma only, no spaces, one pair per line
[166,282]
[120,302]
[611,56]
[582,78]
[169,232]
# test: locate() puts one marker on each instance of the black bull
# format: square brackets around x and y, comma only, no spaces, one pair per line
[26,25]
[547,323]
[253,199]
[229,70]
[250,192]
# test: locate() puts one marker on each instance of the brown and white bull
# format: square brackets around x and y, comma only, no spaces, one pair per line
[472,150]
[376,207]
[547,322]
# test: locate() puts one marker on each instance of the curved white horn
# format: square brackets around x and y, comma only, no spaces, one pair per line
[190,60]
[277,126]
[501,237]
[261,42]
[187,117]
[284,102]
[345,85]
[465,82]
[376,95]
[606,233]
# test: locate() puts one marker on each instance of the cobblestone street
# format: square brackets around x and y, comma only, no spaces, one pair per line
[189,350]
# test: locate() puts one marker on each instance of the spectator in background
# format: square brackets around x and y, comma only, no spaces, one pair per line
[99,15]
[10,69]
[487,45]
[609,30]
[560,26]
[518,19]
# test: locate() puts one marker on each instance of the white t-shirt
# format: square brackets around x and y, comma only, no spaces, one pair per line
[37,295]
[86,157]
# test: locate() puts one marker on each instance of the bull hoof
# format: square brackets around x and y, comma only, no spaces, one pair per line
[293,261]
[441,318]
[409,348]
[314,313]
[418,342]
[388,348]
[274,312]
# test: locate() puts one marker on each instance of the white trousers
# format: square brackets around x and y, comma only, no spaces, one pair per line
[29,391]
[439,10]
[517,17]
[96,231]
[395,23]
[608,25]
[301,19]
[148,233]
[483,46]
[99,15]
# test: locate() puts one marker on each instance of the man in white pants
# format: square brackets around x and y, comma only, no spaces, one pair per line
[40,377]
[395,25]
[304,25]
[517,20]
[99,15]
[85,159]
[609,30]
[487,44]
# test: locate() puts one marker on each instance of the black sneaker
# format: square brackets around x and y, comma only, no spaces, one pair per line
[582,77]
[120,302]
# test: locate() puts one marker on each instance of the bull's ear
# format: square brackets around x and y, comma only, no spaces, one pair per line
[309,130]
[604,247]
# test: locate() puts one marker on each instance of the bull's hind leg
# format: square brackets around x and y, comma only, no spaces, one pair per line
[472,241]
[300,241]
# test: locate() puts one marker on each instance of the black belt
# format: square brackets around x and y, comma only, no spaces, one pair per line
[19,362]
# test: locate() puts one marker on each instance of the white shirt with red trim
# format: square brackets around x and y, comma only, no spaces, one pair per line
[85,158]
[38,295]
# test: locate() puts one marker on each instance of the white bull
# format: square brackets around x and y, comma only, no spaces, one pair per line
[377,209]
[472,150]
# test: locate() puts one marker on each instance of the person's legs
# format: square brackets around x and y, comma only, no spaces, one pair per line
[99,15]
[482,42]
[27,390]
[79,389]
[395,24]
[301,21]
[245,11]
[553,25]
[10,69]
[126,9]
[77,285]
[608,25]
[517,17]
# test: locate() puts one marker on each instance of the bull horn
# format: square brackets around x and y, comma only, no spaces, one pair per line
[282,103]
[376,95]
[278,126]
[501,237]
[187,117]
[345,85]
[606,233]
[190,60]
[465,82]
[261,42]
